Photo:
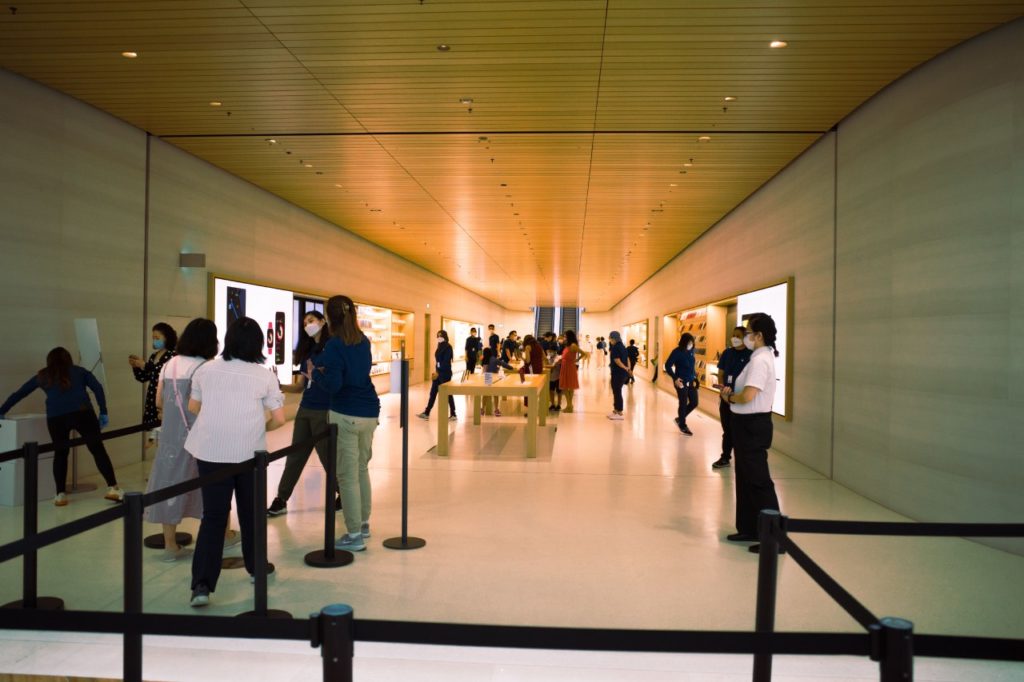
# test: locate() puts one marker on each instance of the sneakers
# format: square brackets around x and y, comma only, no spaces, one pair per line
[351,543]
[200,595]
[685,430]
[364,530]
[424,415]
[277,507]
[720,463]
[114,494]
[61,500]
[497,412]
[453,418]
[172,555]
[616,416]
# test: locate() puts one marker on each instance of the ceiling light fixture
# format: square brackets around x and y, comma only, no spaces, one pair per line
[704,138]
[129,55]
[308,165]
[466,100]
[271,140]
[778,43]
[337,185]
[672,184]
[687,165]
[444,47]
[216,103]
[729,98]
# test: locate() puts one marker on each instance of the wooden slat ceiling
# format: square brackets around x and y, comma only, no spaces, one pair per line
[564,182]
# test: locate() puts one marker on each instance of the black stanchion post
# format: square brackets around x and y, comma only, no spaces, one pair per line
[405,542]
[769,531]
[336,647]
[261,567]
[133,584]
[893,648]
[329,557]
[30,518]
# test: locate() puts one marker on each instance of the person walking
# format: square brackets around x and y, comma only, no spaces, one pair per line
[588,348]
[634,356]
[732,362]
[473,347]
[681,368]
[165,340]
[533,362]
[173,465]
[601,353]
[355,408]
[493,339]
[751,404]
[230,395]
[568,376]
[311,417]
[442,375]
[68,409]
[621,373]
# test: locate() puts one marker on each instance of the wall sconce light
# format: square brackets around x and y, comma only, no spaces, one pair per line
[191,260]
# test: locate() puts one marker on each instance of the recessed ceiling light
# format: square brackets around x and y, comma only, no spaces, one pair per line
[337,185]
[704,138]
[778,43]
[729,98]
[687,165]
[216,103]
[271,140]
[443,47]
[672,184]
[466,100]
[129,55]
[308,165]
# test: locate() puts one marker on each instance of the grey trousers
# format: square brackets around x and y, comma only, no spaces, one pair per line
[355,449]
[307,424]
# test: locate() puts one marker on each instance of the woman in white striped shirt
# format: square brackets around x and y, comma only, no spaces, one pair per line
[231,395]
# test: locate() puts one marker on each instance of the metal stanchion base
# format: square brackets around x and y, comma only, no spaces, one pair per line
[156,541]
[42,604]
[318,559]
[271,613]
[407,543]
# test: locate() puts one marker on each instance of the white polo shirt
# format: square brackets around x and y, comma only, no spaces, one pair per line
[759,373]
[231,424]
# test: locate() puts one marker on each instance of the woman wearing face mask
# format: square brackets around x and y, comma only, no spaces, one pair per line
[751,403]
[568,378]
[165,340]
[311,418]
[681,368]
[442,374]
[730,365]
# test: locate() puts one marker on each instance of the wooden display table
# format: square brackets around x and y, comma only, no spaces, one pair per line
[534,386]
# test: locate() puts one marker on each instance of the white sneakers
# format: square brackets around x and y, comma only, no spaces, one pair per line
[114,494]
[61,500]
[616,416]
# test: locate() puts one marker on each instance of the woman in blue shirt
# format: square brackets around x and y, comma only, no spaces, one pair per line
[68,409]
[442,375]
[311,418]
[681,368]
[355,408]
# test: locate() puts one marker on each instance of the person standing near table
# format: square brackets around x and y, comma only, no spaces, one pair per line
[165,341]
[231,396]
[493,339]
[634,357]
[568,377]
[473,347]
[510,347]
[355,408]
[730,365]
[751,404]
[681,368]
[442,375]
[68,409]
[621,373]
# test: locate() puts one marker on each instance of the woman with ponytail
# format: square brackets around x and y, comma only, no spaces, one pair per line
[751,404]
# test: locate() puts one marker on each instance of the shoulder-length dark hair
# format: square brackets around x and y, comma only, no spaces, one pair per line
[244,341]
[199,340]
[308,345]
[58,369]
[685,339]
[570,337]
[170,336]
[341,316]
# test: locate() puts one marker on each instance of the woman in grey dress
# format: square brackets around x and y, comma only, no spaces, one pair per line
[173,465]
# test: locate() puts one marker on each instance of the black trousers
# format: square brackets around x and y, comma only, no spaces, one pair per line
[433,396]
[470,362]
[725,414]
[209,549]
[687,401]
[751,437]
[87,426]
[632,367]
[616,391]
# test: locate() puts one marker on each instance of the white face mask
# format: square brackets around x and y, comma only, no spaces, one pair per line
[440,339]
[736,343]
[748,341]
[313,328]
[689,346]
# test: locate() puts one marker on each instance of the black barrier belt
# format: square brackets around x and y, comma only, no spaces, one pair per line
[978,530]
[109,435]
[62,532]
[585,639]
[11,455]
[954,646]
[298,447]
[858,611]
[156,624]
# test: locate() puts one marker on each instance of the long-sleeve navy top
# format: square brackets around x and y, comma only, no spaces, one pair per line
[681,365]
[346,376]
[60,400]
[443,361]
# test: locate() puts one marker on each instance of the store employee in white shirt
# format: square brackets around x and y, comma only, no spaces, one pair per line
[751,404]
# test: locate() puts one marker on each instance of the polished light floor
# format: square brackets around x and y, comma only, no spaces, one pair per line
[614,524]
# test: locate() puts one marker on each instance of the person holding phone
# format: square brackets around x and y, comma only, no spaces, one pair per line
[751,404]
[165,340]
[442,374]
[681,368]
[732,362]
[68,409]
